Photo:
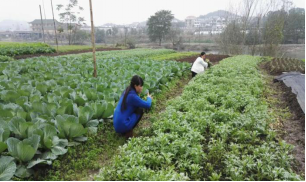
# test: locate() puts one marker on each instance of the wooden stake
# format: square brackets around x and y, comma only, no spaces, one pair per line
[54,28]
[93,41]
[42,24]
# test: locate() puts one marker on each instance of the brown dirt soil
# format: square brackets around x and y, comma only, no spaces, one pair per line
[277,66]
[213,58]
[292,126]
[64,53]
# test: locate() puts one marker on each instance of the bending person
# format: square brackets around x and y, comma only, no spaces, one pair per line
[129,110]
[199,65]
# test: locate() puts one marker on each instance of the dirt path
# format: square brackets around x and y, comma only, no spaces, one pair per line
[65,53]
[290,117]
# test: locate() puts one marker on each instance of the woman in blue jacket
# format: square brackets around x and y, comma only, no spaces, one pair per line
[130,108]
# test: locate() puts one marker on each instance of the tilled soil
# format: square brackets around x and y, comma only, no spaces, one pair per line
[64,53]
[292,128]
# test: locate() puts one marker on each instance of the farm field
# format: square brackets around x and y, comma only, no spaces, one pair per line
[16,49]
[69,48]
[211,132]
[43,113]
[56,119]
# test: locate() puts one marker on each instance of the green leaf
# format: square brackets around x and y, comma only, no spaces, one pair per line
[12,146]
[69,127]
[85,114]
[7,168]
[9,96]
[38,161]
[23,172]
[33,141]
[25,152]
[108,109]
[19,126]
[3,147]
[80,139]
[98,110]
[42,87]
[48,155]
[92,123]
[4,134]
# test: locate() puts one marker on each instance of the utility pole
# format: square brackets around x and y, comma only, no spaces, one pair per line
[42,24]
[93,41]
[54,28]
[44,8]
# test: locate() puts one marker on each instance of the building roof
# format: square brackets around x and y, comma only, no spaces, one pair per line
[190,17]
[38,21]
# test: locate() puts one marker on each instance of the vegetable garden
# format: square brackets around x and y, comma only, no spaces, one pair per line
[212,132]
[42,113]
[218,129]
[15,49]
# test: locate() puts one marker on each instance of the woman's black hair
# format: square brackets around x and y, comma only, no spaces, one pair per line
[202,53]
[136,80]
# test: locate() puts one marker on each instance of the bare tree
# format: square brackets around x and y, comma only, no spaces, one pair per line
[71,17]
[245,26]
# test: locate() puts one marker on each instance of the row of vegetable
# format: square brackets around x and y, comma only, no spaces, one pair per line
[218,129]
[48,104]
[15,49]
[174,56]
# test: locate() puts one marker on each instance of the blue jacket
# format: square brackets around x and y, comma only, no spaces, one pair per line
[125,120]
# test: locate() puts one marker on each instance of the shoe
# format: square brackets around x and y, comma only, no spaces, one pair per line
[129,134]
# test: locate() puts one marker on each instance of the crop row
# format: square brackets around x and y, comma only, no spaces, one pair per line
[14,49]
[174,56]
[218,129]
[49,104]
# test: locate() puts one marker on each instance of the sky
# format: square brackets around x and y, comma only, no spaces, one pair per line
[116,11]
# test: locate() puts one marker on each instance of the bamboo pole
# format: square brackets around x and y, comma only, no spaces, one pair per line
[42,24]
[93,41]
[56,41]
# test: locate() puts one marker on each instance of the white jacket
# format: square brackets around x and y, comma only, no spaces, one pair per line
[199,65]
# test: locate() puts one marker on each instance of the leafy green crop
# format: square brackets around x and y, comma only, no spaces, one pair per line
[174,56]
[5,58]
[14,49]
[218,129]
[48,104]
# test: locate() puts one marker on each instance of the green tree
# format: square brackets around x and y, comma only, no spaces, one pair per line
[231,38]
[115,31]
[81,36]
[273,31]
[100,36]
[294,28]
[159,25]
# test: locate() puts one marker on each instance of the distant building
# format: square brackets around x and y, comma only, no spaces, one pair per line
[190,21]
[206,25]
[48,26]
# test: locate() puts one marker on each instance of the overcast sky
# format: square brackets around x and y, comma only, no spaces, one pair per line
[117,11]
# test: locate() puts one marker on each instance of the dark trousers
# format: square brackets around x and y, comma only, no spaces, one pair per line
[140,112]
[193,74]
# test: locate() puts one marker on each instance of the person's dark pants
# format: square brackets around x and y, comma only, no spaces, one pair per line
[130,133]
[140,112]
[193,74]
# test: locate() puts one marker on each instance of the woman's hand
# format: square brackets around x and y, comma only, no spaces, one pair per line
[149,95]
